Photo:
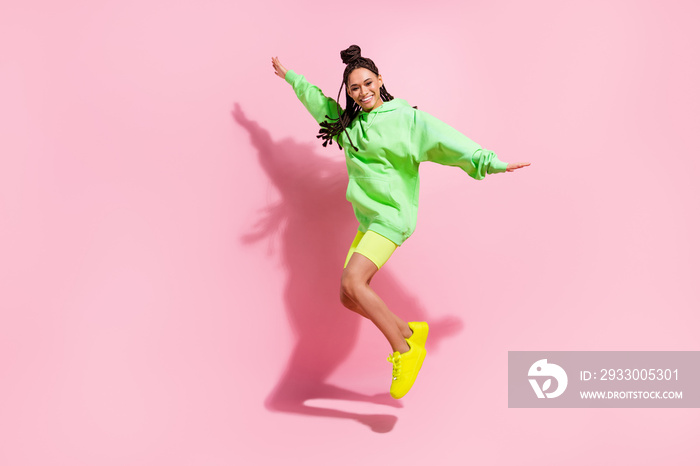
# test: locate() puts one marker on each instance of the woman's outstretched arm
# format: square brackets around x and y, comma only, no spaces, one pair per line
[319,106]
[438,142]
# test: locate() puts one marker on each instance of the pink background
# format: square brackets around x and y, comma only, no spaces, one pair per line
[172,232]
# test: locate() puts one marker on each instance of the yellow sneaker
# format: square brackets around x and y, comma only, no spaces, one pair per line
[420,333]
[405,370]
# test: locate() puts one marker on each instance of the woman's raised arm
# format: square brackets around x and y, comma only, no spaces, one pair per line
[319,106]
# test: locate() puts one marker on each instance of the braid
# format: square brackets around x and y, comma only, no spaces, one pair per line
[333,127]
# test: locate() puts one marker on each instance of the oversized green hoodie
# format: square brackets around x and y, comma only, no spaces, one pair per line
[392,140]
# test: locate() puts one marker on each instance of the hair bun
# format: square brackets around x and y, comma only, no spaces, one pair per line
[350,54]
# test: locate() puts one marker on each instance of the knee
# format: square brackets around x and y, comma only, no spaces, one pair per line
[349,284]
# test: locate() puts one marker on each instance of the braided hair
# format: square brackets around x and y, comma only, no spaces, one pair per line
[334,126]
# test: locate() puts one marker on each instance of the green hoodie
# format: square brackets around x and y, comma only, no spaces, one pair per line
[393,139]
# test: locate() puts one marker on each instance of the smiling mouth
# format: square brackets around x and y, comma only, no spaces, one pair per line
[367,99]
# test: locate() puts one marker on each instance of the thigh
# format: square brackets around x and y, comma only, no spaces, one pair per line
[358,270]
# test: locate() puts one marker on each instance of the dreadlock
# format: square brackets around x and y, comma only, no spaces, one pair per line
[334,126]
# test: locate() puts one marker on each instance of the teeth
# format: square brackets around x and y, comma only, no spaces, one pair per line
[367,99]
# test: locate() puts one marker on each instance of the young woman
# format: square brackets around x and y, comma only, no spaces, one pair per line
[385,140]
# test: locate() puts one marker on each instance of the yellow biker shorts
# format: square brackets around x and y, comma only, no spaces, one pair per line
[373,246]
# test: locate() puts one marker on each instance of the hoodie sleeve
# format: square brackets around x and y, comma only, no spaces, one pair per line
[436,141]
[318,105]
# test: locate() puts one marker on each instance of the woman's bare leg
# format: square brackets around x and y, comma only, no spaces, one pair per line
[350,304]
[357,296]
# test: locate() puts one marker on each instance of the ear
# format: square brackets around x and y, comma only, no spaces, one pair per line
[380,80]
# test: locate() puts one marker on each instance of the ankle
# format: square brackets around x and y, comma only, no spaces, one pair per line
[404,348]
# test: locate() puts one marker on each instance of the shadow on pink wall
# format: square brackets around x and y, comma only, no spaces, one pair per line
[314,226]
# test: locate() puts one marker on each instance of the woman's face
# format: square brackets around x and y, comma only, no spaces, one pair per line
[363,86]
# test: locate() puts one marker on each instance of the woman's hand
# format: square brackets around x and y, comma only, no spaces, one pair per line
[514,166]
[280,70]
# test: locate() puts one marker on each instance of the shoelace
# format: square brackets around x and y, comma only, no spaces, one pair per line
[395,359]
